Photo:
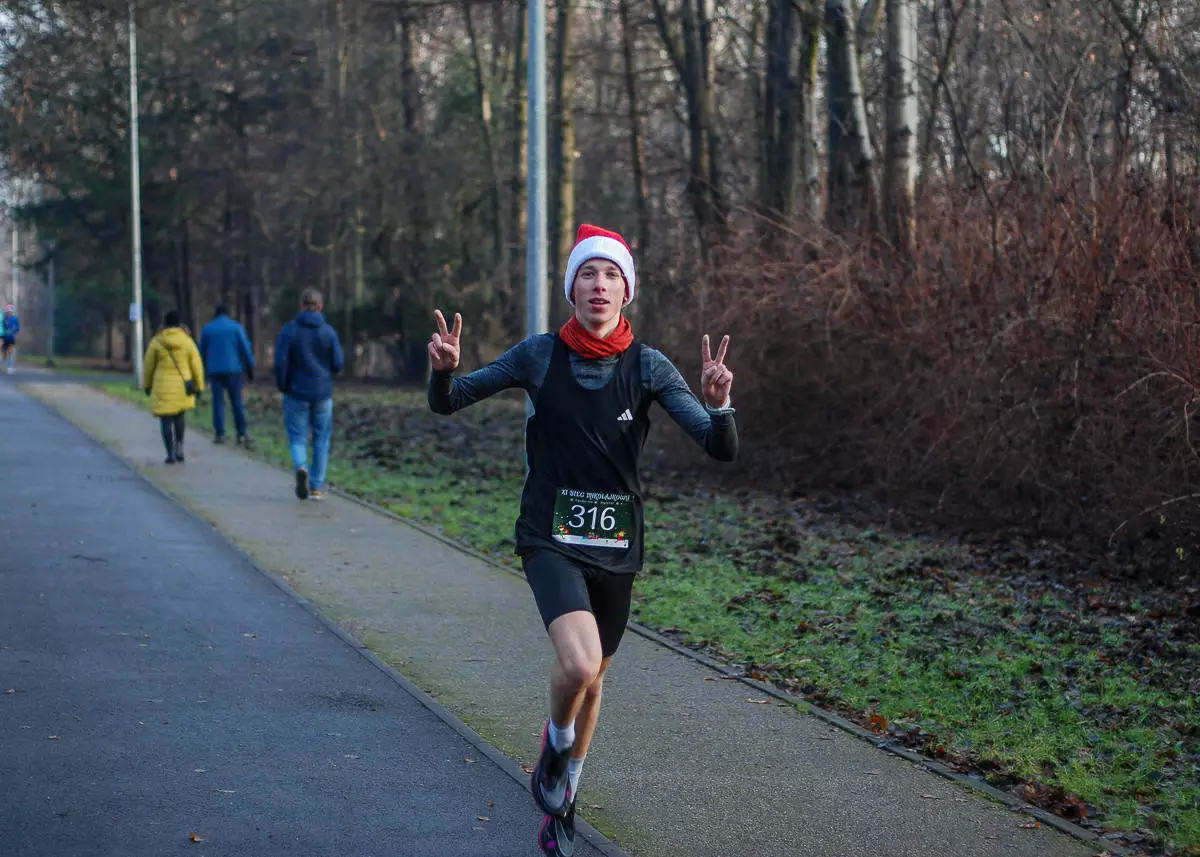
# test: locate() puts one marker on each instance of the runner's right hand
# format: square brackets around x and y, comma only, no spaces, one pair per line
[443,346]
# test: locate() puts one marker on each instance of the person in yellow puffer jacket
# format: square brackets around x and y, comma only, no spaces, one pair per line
[172,360]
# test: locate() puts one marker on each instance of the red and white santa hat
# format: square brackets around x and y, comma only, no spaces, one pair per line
[592,242]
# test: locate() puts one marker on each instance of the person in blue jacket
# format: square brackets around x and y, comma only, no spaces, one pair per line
[10,326]
[227,354]
[307,357]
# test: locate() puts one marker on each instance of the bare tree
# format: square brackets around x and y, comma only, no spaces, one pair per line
[851,196]
[902,123]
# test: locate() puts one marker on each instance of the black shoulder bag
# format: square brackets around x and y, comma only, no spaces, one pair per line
[189,386]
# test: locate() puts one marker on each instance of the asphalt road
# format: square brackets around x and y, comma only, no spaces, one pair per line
[159,695]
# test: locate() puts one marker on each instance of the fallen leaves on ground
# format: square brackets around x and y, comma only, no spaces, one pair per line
[1055,799]
[194,838]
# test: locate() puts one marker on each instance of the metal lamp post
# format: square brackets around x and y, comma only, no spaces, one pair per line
[135,309]
[537,310]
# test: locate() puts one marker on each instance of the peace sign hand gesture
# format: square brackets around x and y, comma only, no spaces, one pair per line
[443,345]
[715,379]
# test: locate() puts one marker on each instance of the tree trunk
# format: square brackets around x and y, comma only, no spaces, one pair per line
[496,226]
[759,36]
[902,117]
[562,147]
[516,200]
[708,104]
[946,46]
[416,358]
[250,305]
[1117,151]
[1169,161]
[693,82]
[187,300]
[227,250]
[779,111]
[850,200]
[810,143]
[636,150]
[692,62]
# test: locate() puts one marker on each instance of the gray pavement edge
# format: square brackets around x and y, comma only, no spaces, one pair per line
[506,764]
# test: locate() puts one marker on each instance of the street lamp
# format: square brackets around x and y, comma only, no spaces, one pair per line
[536,297]
[16,251]
[537,304]
[135,309]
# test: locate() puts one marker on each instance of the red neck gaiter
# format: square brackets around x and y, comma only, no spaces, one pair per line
[586,344]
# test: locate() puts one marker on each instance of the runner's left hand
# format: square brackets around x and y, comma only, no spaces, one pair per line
[715,379]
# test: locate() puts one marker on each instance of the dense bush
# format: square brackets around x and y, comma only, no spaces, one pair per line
[1035,366]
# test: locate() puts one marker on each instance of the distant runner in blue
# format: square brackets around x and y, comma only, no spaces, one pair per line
[580,528]
[9,328]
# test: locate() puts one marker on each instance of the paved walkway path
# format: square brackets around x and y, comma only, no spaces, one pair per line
[682,764]
[160,696]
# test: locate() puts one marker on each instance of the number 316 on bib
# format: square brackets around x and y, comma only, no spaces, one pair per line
[593,519]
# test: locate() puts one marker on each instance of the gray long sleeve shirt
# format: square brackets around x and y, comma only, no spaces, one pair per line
[525,366]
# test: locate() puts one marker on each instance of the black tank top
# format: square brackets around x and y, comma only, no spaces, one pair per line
[582,497]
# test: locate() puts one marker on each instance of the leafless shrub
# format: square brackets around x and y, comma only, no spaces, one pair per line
[1035,367]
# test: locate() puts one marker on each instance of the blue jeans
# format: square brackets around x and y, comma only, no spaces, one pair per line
[303,419]
[220,384]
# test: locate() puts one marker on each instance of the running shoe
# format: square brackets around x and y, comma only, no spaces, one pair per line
[550,784]
[557,836]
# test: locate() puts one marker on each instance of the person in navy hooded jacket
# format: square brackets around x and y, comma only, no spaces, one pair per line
[227,355]
[307,357]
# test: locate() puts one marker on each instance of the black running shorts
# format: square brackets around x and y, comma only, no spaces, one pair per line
[561,585]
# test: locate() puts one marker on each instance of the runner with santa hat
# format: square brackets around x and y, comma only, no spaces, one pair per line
[580,529]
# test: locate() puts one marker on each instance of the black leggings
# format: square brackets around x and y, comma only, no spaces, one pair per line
[172,431]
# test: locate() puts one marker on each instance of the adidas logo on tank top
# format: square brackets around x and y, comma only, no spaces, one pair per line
[626,417]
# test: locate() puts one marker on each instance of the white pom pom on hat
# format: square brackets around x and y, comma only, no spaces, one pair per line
[592,242]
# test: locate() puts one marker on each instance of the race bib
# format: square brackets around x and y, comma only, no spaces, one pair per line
[593,518]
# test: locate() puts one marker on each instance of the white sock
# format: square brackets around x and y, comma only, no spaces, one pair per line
[574,770]
[562,737]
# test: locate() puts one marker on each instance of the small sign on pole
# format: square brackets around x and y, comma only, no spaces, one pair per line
[135,312]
